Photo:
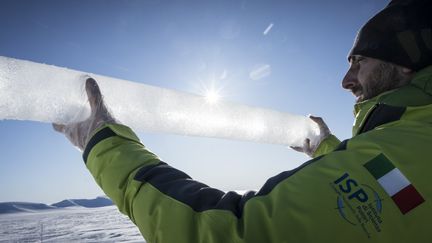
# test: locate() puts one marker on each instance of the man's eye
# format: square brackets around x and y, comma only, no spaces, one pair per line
[356,60]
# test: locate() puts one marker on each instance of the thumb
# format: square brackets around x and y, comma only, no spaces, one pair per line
[317,120]
[94,95]
[322,125]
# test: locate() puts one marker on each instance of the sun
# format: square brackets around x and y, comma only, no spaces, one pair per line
[212,96]
[211,88]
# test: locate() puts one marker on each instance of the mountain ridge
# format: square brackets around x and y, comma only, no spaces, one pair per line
[29,207]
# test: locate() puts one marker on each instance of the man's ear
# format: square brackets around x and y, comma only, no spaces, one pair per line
[407,70]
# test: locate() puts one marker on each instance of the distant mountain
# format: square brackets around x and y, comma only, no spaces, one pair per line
[17,207]
[87,203]
[65,203]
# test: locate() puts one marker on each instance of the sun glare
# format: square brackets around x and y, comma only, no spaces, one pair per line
[211,87]
[212,96]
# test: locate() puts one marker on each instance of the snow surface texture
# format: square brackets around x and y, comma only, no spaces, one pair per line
[40,92]
[74,224]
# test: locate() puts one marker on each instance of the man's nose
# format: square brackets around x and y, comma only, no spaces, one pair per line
[350,80]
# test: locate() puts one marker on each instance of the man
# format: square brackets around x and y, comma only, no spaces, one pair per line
[373,187]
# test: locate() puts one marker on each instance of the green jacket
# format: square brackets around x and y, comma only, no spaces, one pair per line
[374,187]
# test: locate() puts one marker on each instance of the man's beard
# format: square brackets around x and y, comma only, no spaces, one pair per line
[382,78]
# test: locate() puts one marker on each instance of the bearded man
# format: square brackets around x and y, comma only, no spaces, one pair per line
[374,187]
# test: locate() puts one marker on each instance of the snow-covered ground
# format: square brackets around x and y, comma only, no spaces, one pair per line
[76,224]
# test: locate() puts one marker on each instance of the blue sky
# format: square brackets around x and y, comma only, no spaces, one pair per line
[181,45]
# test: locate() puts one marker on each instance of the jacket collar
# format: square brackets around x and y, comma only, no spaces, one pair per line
[417,93]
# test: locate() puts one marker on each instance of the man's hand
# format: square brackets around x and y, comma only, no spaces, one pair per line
[309,149]
[78,133]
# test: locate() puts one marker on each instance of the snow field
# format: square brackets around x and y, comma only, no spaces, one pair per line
[76,224]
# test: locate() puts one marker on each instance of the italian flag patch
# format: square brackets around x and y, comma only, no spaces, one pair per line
[397,186]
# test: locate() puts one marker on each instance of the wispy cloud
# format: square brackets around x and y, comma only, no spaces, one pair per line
[223,75]
[267,30]
[260,71]
[121,68]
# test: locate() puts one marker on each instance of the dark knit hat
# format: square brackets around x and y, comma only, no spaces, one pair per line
[401,33]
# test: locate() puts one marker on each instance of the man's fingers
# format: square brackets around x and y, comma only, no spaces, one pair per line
[304,148]
[59,127]
[94,95]
[298,149]
[306,144]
